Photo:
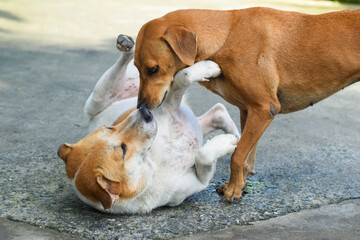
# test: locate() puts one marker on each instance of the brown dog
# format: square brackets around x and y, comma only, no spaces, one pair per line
[272,62]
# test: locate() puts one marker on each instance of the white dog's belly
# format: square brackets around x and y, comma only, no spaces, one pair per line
[179,137]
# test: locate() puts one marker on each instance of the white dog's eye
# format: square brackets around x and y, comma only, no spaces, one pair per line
[123,147]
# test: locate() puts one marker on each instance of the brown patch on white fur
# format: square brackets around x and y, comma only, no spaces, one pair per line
[123,116]
[97,162]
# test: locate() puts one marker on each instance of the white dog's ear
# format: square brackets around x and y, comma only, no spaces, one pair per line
[182,42]
[64,151]
[112,188]
[115,189]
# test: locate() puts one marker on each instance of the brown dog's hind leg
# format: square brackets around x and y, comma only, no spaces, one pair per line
[250,161]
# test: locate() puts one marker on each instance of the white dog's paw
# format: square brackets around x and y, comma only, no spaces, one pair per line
[225,144]
[125,43]
[207,69]
[216,147]
[202,71]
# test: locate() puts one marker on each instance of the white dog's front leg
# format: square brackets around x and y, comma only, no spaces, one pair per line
[200,71]
[205,160]
[112,81]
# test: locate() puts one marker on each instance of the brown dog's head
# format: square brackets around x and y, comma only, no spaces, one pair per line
[111,164]
[160,52]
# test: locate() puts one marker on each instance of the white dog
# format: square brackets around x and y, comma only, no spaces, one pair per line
[146,159]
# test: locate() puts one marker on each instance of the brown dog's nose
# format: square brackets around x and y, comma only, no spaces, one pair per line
[146,114]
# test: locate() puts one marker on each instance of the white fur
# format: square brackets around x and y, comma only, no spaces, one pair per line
[177,163]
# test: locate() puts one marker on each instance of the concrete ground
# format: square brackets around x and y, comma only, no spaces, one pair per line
[336,221]
[52,53]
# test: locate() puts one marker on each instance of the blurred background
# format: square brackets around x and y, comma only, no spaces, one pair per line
[90,23]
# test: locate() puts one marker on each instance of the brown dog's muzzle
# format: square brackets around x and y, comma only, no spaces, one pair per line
[153,94]
[144,102]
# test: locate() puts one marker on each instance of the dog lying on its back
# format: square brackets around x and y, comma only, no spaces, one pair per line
[145,159]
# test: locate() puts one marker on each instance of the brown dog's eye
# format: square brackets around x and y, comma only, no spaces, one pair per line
[153,70]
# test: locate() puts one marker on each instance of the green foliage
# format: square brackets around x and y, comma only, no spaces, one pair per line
[348,1]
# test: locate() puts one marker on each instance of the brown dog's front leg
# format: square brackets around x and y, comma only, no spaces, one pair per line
[256,122]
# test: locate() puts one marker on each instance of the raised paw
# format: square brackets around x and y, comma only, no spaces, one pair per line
[225,143]
[125,43]
[207,69]
[201,71]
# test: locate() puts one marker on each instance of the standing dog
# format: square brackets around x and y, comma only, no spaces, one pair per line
[145,160]
[271,61]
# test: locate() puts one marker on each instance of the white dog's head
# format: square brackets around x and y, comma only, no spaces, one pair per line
[111,164]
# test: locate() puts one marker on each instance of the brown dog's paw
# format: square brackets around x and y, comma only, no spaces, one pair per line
[221,190]
[125,43]
[233,192]
[230,191]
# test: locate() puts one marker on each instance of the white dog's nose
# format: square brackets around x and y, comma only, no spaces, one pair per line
[146,114]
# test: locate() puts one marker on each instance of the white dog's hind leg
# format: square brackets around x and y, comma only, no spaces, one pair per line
[205,160]
[217,118]
[198,178]
[109,86]
[200,71]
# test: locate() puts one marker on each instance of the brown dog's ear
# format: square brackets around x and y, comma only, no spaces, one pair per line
[182,42]
[113,189]
[64,151]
